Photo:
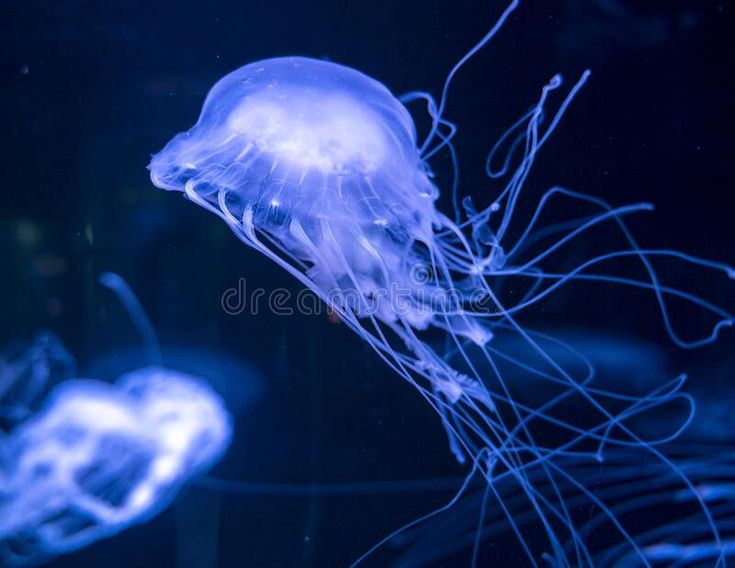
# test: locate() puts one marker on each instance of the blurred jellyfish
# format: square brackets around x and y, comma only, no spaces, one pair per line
[97,458]
[318,167]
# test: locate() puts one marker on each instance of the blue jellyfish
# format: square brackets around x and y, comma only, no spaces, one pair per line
[96,457]
[319,167]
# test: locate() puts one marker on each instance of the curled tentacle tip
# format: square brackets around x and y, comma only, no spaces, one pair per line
[731,272]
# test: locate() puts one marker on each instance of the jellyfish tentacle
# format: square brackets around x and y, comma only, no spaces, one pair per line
[137,314]
[471,53]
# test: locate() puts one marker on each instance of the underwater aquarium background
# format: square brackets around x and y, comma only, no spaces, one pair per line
[90,90]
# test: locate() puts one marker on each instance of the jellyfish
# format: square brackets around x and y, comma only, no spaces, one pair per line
[96,457]
[320,168]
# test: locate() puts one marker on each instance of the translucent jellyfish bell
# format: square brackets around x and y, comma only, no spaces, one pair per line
[298,139]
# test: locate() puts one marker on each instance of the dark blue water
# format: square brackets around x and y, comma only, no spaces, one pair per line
[90,90]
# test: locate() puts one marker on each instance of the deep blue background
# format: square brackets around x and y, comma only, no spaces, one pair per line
[90,89]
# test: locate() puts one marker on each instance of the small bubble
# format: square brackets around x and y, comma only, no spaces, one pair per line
[24,69]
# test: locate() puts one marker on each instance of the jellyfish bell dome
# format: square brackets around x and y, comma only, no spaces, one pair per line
[297,138]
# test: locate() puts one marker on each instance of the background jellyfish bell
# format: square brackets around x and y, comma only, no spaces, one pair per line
[183,410]
[98,458]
